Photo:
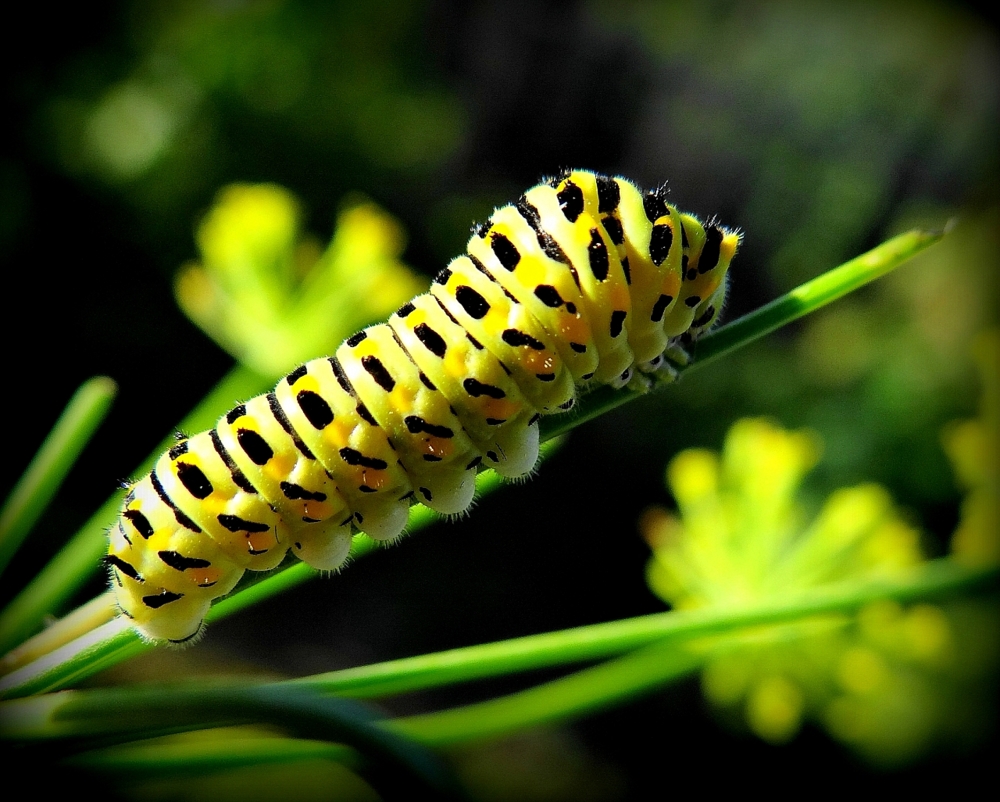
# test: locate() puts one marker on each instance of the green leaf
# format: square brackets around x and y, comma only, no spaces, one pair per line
[43,477]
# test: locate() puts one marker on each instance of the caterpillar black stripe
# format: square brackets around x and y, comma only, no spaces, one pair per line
[581,281]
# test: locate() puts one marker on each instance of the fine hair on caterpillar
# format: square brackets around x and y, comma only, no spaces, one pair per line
[585,280]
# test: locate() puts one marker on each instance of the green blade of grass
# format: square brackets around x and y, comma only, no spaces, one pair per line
[394,765]
[57,454]
[228,749]
[594,642]
[668,657]
[801,301]
[78,560]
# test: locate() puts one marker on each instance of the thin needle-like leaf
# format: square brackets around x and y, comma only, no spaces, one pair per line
[665,654]
[102,649]
[80,558]
[396,766]
[801,301]
[46,472]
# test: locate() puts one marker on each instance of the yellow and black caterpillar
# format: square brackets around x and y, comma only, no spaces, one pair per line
[582,280]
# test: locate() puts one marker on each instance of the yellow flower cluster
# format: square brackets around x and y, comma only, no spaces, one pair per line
[742,536]
[972,446]
[274,297]
[889,681]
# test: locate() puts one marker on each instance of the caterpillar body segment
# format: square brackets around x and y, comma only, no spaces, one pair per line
[582,280]
[486,399]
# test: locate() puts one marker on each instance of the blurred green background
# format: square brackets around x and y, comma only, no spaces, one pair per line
[817,128]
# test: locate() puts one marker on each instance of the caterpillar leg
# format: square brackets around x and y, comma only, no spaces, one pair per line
[517,451]
[448,493]
[660,369]
[675,354]
[382,519]
[325,549]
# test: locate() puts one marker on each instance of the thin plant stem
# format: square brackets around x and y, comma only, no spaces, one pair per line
[594,642]
[576,695]
[668,654]
[85,618]
[216,750]
[803,300]
[78,560]
[395,765]
[815,294]
[47,470]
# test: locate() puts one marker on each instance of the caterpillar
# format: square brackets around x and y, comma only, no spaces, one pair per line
[583,281]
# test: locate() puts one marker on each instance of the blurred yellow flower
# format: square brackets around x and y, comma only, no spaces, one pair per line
[972,447]
[889,681]
[274,297]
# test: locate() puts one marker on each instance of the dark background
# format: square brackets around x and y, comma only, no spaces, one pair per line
[817,128]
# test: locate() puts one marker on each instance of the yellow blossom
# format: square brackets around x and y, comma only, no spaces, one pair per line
[274,297]
[883,680]
[972,447]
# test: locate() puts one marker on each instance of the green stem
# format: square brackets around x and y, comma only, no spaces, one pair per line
[814,294]
[667,656]
[399,767]
[598,641]
[32,494]
[230,749]
[77,561]
[801,301]
[939,577]
[583,692]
